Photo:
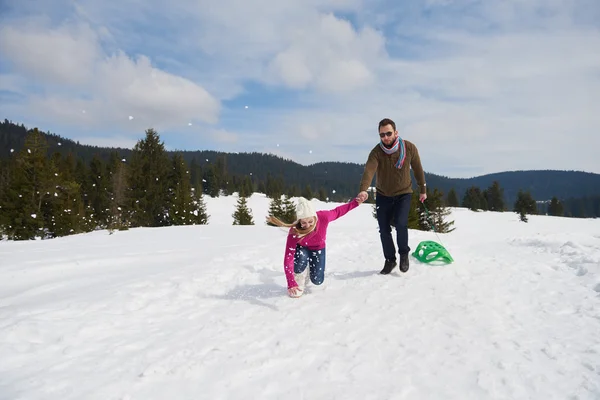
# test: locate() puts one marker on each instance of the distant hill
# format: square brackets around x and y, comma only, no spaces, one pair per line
[343,178]
[543,184]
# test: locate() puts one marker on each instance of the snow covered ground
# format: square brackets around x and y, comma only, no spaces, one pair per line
[201,312]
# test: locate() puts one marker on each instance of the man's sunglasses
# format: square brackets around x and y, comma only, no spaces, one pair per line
[388,134]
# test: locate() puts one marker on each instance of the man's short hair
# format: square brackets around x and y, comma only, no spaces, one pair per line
[387,121]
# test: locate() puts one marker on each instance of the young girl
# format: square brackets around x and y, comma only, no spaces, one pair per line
[305,244]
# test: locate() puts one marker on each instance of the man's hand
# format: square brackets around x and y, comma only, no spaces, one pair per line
[362,196]
[422,197]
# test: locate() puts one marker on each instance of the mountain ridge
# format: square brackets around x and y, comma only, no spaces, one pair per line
[341,177]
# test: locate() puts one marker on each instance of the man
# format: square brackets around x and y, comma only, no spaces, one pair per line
[392,159]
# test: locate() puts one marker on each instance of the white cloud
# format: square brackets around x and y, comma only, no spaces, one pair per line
[295,44]
[224,136]
[290,66]
[108,87]
[328,55]
[63,56]
[478,86]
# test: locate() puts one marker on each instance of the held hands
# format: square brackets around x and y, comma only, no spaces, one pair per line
[361,197]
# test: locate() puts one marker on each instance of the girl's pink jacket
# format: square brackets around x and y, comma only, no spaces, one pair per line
[313,241]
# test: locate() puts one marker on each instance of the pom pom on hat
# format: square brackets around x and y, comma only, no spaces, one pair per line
[305,209]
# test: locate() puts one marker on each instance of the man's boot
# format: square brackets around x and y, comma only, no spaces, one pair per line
[388,267]
[404,262]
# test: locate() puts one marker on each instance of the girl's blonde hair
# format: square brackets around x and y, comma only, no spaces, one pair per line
[296,225]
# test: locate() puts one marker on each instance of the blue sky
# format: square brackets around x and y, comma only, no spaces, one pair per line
[478,86]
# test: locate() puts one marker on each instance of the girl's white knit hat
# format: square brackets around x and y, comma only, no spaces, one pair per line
[305,209]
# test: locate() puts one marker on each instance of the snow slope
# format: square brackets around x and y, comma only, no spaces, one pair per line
[201,312]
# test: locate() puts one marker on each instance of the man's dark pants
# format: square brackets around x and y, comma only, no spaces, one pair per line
[393,211]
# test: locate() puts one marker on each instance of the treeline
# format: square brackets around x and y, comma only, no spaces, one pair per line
[492,198]
[578,191]
[326,182]
[50,194]
[48,197]
[45,196]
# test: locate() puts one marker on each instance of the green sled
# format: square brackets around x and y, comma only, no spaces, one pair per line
[428,251]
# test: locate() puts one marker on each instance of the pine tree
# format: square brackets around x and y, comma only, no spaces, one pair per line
[148,179]
[452,200]
[120,211]
[221,174]
[195,174]
[473,199]
[433,214]
[273,187]
[275,209]
[283,209]
[200,214]
[413,213]
[262,188]
[211,181]
[525,204]
[494,197]
[181,203]
[322,194]
[293,191]
[307,193]
[5,174]
[245,189]
[555,208]
[83,178]
[64,212]
[289,210]
[31,185]
[483,201]
[242,214]
[98,195]
[269,187]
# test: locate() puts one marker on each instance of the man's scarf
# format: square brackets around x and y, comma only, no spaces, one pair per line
[399,143]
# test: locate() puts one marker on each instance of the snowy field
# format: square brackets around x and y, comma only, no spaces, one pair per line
[201,312]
